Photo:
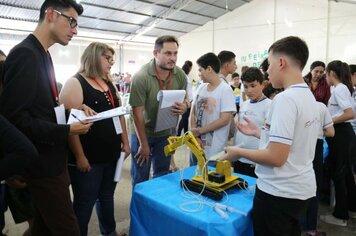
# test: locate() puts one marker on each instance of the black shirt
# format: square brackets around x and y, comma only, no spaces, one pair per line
[101,144]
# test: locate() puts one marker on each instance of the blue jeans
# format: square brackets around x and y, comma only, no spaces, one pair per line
[94,187]
[159,161]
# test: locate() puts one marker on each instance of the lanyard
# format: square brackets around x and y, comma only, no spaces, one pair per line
[52,78]
[111,97]
[161,82]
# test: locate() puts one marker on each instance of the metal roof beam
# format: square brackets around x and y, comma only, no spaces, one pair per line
[182,10]
[91,17]
[212,5]
[129,23]
[138,13]
[163,15]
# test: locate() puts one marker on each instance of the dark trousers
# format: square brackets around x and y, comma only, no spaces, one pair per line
[244,168]
[276,216]
[310,219]
[339,164]
[183,124]
[54,211]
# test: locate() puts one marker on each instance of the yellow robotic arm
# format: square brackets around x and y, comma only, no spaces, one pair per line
[215,181]
[192,143]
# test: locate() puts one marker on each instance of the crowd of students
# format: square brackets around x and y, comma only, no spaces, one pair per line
[277,120]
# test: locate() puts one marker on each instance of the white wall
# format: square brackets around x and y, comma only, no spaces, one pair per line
[128,58]
[327,27]
[66,59]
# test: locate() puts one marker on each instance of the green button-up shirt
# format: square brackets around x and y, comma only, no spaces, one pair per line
[144,89]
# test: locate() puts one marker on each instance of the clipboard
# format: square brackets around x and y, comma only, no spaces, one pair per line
[166,119]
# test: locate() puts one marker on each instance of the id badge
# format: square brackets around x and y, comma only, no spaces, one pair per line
[117,125]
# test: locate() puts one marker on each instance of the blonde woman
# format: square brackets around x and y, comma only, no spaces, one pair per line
[94,155]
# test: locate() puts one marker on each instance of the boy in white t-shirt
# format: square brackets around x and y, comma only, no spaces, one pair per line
[212,108]
[255,109]
[286,179]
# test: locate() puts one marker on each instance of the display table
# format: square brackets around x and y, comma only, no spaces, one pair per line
[155,210]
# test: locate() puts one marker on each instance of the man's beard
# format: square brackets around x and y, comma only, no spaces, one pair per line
[165,68]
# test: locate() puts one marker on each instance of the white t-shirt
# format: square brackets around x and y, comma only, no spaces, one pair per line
[339,101]
[325,119]
[208,106]
[255,111]
[292,120]
[189,89]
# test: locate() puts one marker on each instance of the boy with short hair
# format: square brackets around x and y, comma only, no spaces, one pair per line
[286,179]
[227,64]
[212,108]
[255,109]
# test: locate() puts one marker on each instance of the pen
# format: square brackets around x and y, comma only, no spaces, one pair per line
[77,118]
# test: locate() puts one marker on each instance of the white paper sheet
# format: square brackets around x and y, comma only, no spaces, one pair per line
[119,165]
[79,115]
[60,114]
[169,97]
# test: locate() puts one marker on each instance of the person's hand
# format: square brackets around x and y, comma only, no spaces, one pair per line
[16,182]
[195,132]
[179,108]
[200,142]
[79,128]
[249,128]
[83,164]
[126,148]
[231,154]
[87,110]
[142,155]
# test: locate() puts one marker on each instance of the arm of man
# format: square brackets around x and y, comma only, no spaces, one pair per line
[281,134]
[18,152]
[143,152]
[275,155]
[22,76]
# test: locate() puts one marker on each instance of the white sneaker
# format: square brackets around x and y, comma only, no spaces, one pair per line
[330,219]
[352,214]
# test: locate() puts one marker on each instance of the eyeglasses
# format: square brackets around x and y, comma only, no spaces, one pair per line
[72,22]
[110,59]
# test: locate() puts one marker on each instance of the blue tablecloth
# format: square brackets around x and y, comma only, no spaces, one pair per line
[155,210]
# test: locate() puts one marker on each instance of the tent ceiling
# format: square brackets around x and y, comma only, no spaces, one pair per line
[124,20]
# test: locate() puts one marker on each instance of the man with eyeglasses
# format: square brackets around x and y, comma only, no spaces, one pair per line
[30,101]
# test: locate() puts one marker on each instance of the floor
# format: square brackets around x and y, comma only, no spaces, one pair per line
[122,203]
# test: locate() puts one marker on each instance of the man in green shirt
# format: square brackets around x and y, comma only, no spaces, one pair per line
[161,73]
